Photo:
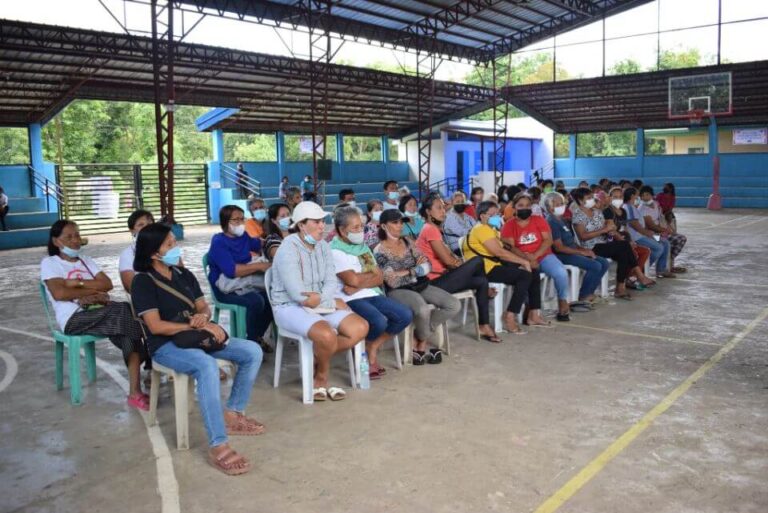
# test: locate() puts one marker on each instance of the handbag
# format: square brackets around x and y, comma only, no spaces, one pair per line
[192,338]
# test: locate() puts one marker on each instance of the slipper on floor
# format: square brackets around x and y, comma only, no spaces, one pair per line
[581,307]
[434,356]
[418,357]
[545,324]
[319,394]
[625,297]
[336,394]
[495,339]
[139,401]
[679,270]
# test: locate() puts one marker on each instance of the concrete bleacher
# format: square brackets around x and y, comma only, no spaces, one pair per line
[28,218]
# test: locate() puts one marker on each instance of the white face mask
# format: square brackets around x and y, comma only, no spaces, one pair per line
[377,215]
[648,202]
[560,210]
[356,237]
[410,214]
[352,203]
[590,203]
[237,230]
[617,203]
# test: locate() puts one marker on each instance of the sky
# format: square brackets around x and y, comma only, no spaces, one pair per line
[631,34]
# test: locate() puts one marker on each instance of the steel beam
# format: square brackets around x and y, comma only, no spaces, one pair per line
[425,103]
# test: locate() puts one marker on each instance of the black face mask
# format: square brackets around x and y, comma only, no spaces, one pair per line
[523,213]
[459,208]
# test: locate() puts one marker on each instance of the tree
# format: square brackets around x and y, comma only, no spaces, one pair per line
[14,146]
[625,67]
[668,59]
[250,147]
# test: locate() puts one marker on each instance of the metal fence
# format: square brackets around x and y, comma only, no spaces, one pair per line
[100,197]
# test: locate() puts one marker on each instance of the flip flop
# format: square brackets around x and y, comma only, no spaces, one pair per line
[679,270]
[336,394]
[319,394]
[546,324]
[625,297]
[495,339]
[139,401]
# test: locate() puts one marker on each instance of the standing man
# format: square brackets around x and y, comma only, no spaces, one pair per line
[391,194]
[3,208]
[306,187]
[283,190]
[242,181]
[347,196]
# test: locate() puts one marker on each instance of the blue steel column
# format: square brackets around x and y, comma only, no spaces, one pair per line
[214,175]
[385,149]
[572,154]
[640,153]
[340,157]
[280,141]
[715,201]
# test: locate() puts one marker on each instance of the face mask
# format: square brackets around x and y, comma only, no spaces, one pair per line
[352,203]
[394,195]
[648,202]
[71,253]
[617,203]
[259,214]
[309,239]
[589,204]
[410,214]
[560,210]
[547,190]
[356,237]
[524,213]
[377,216]
[306,179]
[284,223]
[637,202]
[495,221]
[237,231]
[172,256]
[459,208]
[423,269]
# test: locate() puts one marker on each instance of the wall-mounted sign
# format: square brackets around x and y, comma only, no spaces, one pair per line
[305,146]
[750,136]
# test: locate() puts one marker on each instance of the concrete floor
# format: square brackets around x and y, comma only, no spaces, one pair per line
[495,428]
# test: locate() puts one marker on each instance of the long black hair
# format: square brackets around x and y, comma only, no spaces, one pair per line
[55,232]
[426,206]
[272,212]
[148,242]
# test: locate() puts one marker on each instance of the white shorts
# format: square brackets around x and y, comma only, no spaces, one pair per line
[295,319]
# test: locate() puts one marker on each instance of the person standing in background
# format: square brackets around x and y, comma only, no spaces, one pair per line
[242,181]
[283,189]
[3,208]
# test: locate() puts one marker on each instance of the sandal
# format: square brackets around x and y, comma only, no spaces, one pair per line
[563,317]
[679,270]
[666,274]
[139,401]
[374,373]
[319,394]
[626,296]
[229,462]
[581,306]
[418,357]
[337,394]
[378,368]
[435,356]
[491,338]
[245,426]
[545,324]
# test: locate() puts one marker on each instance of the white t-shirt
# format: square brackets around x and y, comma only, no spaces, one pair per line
[3,200]
[55,267]
[346,262]
[126,259]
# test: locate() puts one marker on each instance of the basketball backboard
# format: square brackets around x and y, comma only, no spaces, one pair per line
[693,95]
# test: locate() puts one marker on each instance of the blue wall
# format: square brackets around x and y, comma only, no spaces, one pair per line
[520,155]
[15,181]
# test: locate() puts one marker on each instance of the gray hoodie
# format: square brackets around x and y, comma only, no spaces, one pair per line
[297,269]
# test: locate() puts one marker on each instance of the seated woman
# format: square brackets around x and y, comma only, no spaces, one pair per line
[77,289]
[169,300]
[615,212]
[645,237]
[404,269]
[602,238]
[476,196]
[569,252]
[278,223]
[666,201]
[236,277]
[447,271]
[255,225]
[304,286]
[409,207]
[374,208]
[502,266]
[529,237]
[655,221]
[136,221]
[360,280]
[457,222]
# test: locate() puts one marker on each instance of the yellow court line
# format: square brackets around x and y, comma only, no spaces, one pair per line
[586,474]
[646,335]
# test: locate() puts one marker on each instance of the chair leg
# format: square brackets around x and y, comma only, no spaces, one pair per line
[279,361]
[74,372]
[354,363]
[216,313]
[242,323]
[90,361]
[154,393]
[59,355]
[466,307]
[498,311]
[398,358]
[181,400]
[408,335]
[307,365]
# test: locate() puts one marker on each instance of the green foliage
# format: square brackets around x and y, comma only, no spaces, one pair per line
[606,144]
[358,148]
[655,146]
[562,146]
[14,146]
[668,59]
[250,148]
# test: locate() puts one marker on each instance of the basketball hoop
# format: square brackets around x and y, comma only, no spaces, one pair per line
[696,116]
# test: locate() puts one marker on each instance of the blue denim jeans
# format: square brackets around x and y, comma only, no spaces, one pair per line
[594,269]
[202,367]
[659,252]
[259,313]
[384,315]
[553,268]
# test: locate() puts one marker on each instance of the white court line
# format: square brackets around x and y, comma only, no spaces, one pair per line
[724,283]
[643,335]
[755,221]
[167,485]
[729,221]
[11,369]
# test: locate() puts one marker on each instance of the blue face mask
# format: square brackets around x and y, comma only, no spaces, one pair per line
[309,239]
[172,256]
[71,253]
[284,223]
[260,214]
[495,222]
[394,195]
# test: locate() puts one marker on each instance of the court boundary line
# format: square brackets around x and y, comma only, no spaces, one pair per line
[594,467]
[645,335]
[167,484]
[11,369]
[723,283]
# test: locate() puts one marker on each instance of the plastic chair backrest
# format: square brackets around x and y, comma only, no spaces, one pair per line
[461,246]
[44,298]
[268,284]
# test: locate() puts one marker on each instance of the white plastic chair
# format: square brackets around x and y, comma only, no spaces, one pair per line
[182,391]
[441,332]
[307,355]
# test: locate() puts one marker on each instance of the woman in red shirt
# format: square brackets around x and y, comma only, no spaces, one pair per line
[530,237]
[448,271]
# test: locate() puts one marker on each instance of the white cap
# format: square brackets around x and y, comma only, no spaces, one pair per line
[307,210]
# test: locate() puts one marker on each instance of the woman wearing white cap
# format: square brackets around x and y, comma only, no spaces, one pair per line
[303,291]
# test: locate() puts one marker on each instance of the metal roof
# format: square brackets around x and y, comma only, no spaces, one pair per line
[477,30]
[641,100]
[44,67]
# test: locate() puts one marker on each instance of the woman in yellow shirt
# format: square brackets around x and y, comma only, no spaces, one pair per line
[502,266]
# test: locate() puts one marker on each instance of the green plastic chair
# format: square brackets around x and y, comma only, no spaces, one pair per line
[237,313]
[73,343]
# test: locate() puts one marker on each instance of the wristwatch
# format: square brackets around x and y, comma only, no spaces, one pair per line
[80,284]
